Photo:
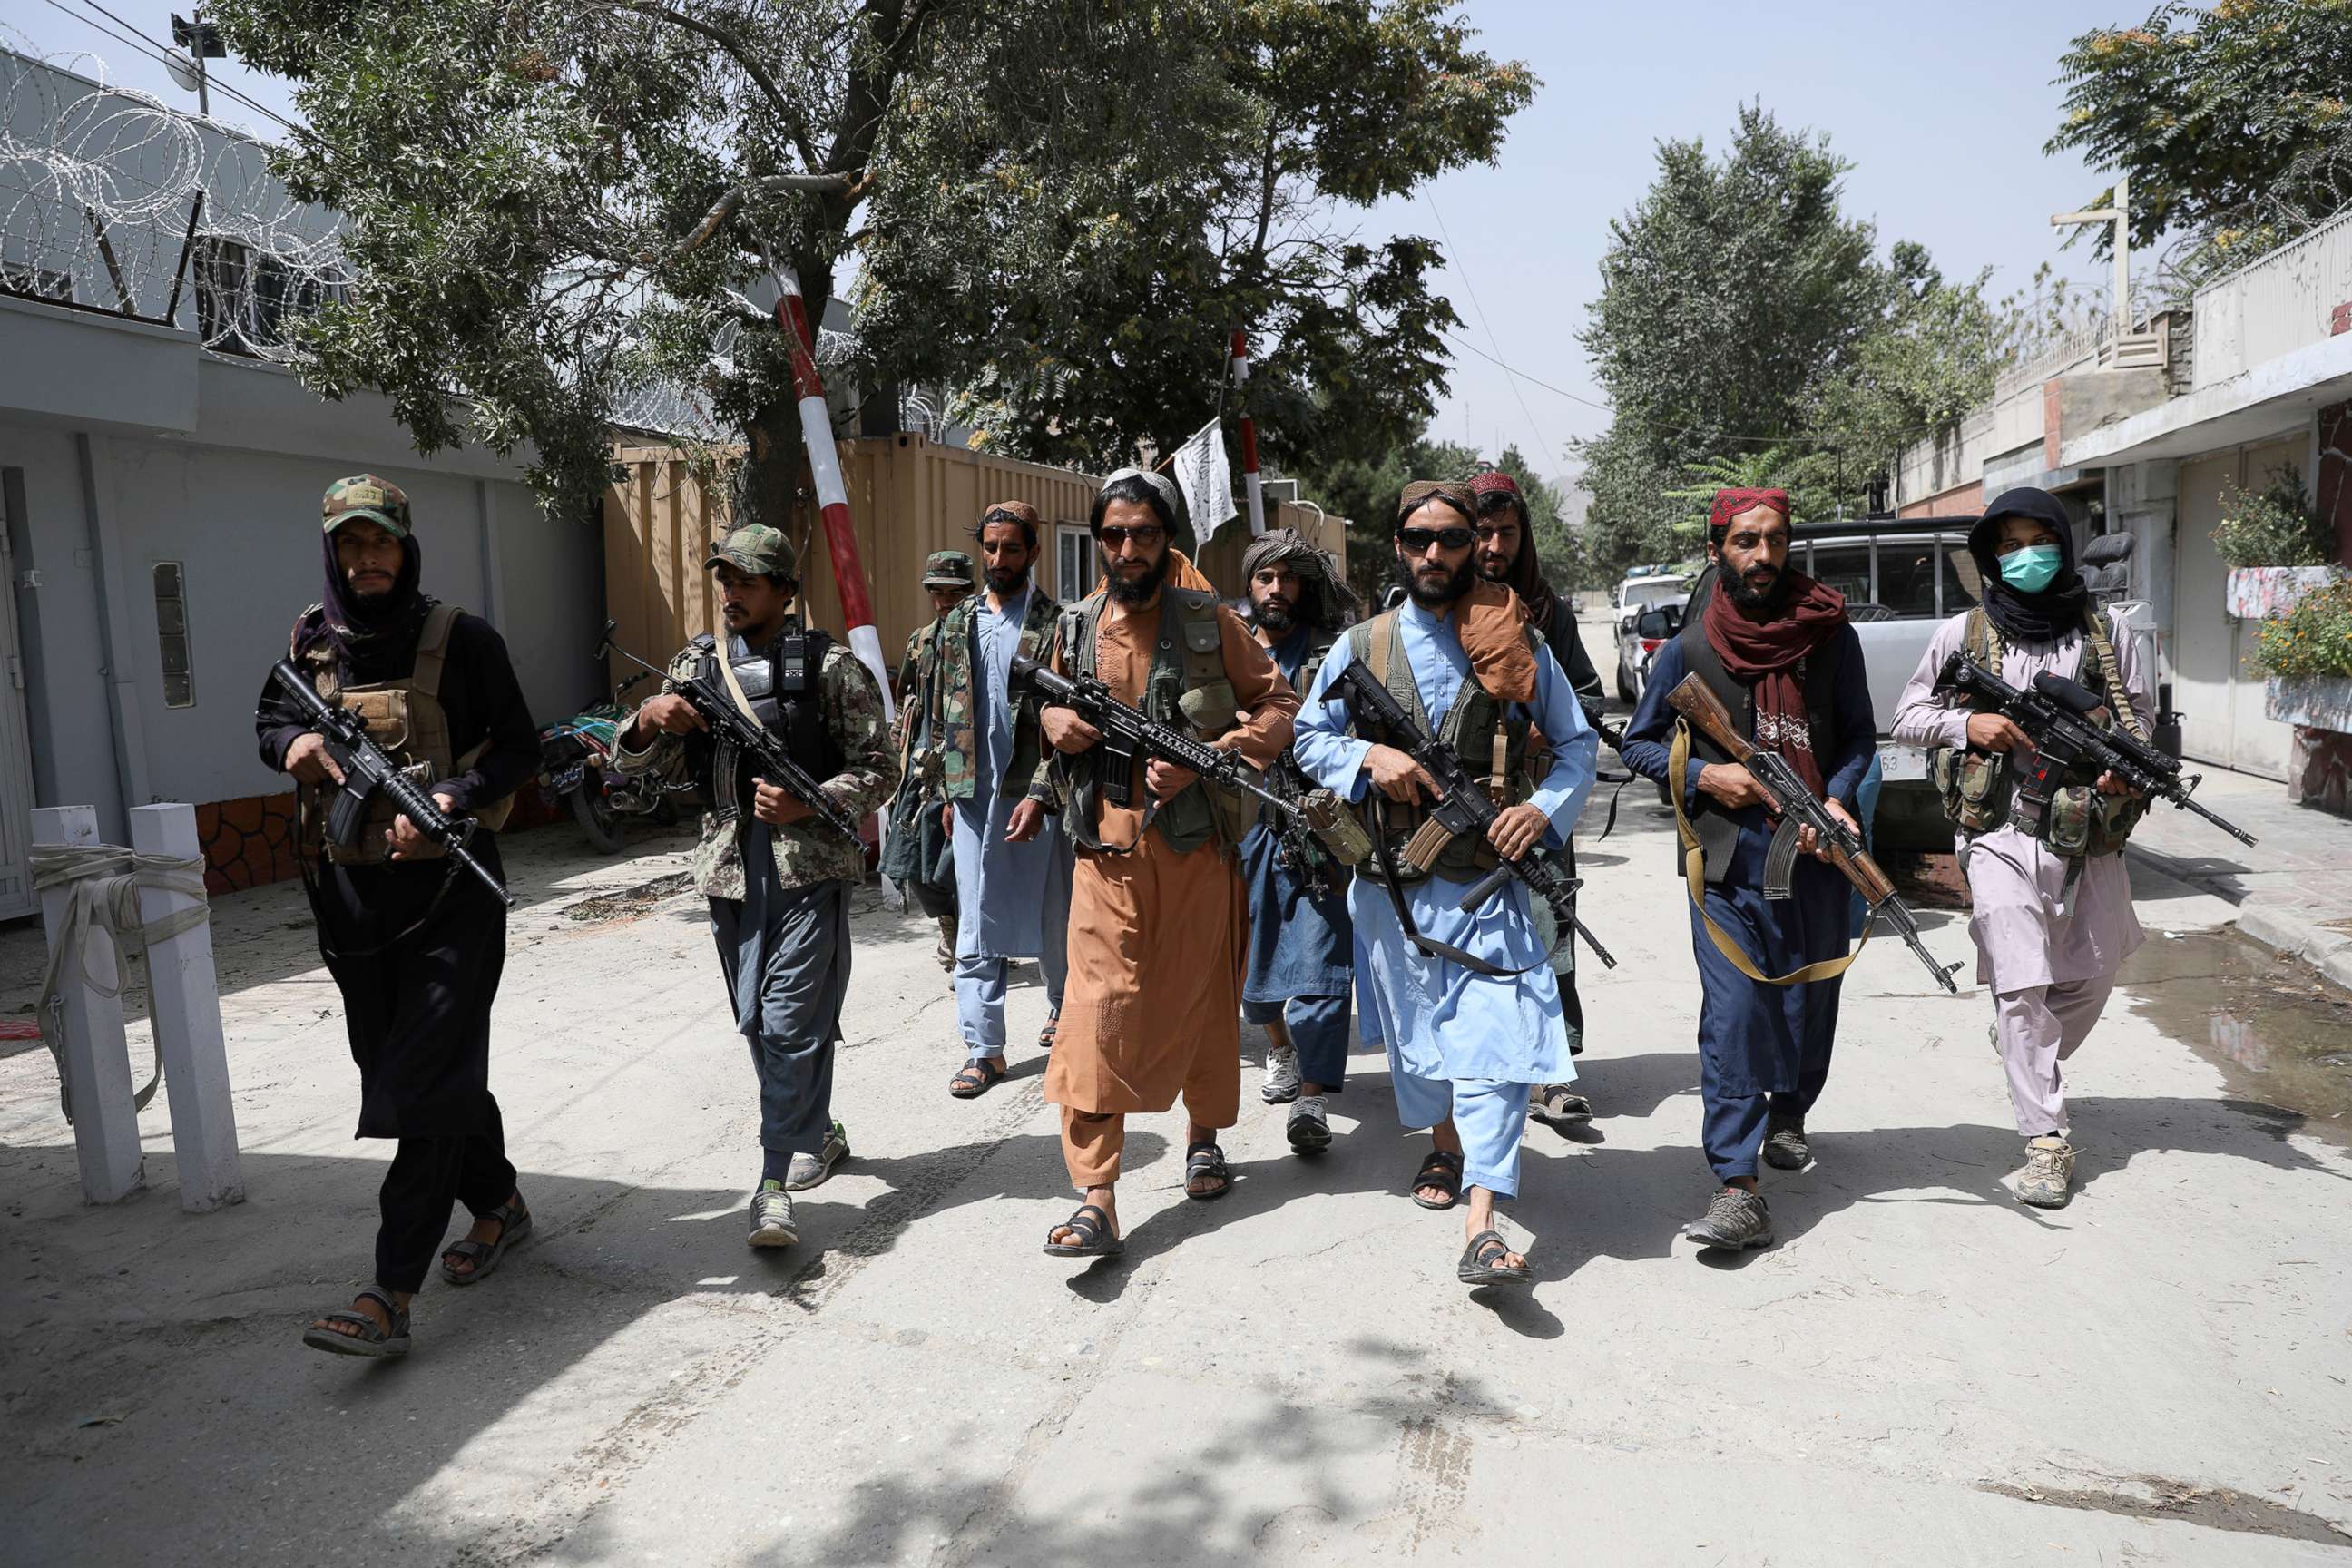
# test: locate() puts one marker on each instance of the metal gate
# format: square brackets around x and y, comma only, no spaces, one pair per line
[16,734]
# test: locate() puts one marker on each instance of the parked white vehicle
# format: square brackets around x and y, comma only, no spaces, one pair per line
[1640,592]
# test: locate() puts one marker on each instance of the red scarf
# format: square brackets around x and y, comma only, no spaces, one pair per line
[1765,654]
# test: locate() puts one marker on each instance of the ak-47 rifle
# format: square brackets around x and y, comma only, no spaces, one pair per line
[771,760]
[368,772]
[2056,715]
[1786,796]
[1463,806]
[1128,731]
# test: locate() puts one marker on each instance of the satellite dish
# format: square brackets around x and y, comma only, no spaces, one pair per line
[182,73]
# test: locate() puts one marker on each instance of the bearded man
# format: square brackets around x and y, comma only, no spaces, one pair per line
[1158,923]
[1302,944]
[1775,648]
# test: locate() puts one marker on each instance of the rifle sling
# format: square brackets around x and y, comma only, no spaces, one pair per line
[1694,877]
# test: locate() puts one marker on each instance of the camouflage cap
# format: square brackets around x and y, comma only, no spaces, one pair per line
[758,549]
[947,569]
[364,495]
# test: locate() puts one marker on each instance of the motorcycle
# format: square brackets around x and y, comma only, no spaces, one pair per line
[575,765]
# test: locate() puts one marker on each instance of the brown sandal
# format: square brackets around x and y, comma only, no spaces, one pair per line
[976,1079]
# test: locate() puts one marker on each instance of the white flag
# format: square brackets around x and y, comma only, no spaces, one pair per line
[1207,480]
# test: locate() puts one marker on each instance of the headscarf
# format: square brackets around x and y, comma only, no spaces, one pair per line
[1526,579]
[1764,654]
[1487,618]
[361,629]
[1334,600]
[2020,617]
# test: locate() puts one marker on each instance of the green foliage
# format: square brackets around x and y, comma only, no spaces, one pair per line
[1746,326]
[2315,638]
[1058,207]
[1365,493]
[2278,527]
[2231,122]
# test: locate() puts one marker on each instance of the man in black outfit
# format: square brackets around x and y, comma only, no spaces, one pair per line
[415,950]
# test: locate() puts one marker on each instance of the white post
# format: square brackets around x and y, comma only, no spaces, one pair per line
[97,1062]
[183,1004]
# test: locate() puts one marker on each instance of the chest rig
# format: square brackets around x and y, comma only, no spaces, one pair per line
[407,719]
[1494,742]
[1978,789]
[1186,685]
[781,686]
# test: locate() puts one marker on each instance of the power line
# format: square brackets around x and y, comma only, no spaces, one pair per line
[1523,375]
[1461,265]
[142,43]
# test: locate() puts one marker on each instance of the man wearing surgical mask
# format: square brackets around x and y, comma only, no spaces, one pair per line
[2052,909]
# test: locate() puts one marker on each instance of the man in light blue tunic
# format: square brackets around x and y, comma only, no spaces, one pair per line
[1013,883]
[1466,1042]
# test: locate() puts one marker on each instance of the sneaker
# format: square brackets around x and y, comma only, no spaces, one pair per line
[1309,1130]
[808,1170]
[1281,1079]
[1785,1148]
[1736,1219]
[2049,1173]
[773,1224]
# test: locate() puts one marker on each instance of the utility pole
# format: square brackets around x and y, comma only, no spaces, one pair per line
[203,42]
[2119,214]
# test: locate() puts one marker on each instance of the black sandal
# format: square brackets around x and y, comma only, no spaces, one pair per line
[373,1339]
[1045,1036]
[514,1226]
[1442,1170]
[976,1079]
[1478,1265]
[1095,1239]
[1205,1159]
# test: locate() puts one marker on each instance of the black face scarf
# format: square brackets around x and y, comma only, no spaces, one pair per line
[368,630]
[2019,616]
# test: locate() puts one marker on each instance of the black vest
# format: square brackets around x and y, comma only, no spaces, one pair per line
[1718,827]
[792,707]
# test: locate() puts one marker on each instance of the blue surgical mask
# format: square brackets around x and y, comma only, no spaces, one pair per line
[2031,569]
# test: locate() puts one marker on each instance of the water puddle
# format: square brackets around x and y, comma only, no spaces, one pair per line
[2281,1037]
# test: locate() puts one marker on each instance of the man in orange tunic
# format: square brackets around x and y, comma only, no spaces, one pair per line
[1159,920]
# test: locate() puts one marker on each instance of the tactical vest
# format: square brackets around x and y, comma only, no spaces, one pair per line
[406,719]
[1485,733]
[1978,789]
[782,686]
[1716,827]
[1185,686]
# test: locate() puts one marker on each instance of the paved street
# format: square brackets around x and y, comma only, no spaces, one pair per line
[1923,1370]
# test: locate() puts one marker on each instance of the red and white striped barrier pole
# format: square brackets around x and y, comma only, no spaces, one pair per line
[833,496]
[1251,484]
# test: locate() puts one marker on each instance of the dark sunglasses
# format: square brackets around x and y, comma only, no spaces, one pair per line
[1417,540]
[1146,535]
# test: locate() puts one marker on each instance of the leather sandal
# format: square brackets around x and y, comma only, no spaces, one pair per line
[1442,1170]
[1482,1262]
[1204,1159]
[1092,1227]
[373,1341]
[514,1226]
[976,1079]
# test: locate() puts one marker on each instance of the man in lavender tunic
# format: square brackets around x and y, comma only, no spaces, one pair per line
[2051,929]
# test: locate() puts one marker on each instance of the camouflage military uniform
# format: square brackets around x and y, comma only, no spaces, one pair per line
[806,851]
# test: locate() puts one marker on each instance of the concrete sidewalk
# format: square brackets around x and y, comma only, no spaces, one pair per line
[1923,1371]
[2291,891]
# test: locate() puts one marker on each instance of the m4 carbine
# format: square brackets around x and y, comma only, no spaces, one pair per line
[1127,730]
[1463,806]
[2056,717]
[770,759]
[367,772]
[1786,796]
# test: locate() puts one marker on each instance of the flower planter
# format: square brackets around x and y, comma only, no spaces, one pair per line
[2254,592]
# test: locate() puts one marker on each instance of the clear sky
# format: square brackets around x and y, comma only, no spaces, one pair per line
[1943,110]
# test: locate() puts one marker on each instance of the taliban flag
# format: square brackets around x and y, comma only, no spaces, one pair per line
[1207,480]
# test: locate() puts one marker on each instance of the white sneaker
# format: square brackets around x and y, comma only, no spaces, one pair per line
[1281,1079]
[2049,1173]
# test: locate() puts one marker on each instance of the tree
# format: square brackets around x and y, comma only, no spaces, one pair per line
[1806,476]
[554,202]
[2231,122]
[1365,492]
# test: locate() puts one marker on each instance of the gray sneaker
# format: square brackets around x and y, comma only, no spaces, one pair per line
[810,1169]
[1736,1219]
[2049,1173]
[1309,1129]
[772,1222]
[1785,1148]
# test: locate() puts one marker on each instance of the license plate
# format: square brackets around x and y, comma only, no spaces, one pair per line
[1900,762]
[569,777]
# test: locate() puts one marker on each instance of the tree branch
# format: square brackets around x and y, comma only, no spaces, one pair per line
[724,208]
[737,48]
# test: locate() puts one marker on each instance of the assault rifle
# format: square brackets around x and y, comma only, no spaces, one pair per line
[770,759]
[367,772]
[2056,715]
[1298,850]
[1786,796]
[1463,806]
[1128,731]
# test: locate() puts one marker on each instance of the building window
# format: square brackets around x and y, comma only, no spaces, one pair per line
[172,635]
[1074,561]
